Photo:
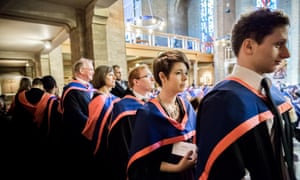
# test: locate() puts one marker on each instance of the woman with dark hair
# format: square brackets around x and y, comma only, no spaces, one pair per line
[24,85]
[163,143]
[100,108]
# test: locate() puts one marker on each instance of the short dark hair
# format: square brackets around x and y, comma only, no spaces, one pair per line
[100,74]
[115,66]
[37,81]
[257,25]
[165,62]
[49,83]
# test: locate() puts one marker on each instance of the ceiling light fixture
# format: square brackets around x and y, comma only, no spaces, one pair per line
[47,45]
[149,22]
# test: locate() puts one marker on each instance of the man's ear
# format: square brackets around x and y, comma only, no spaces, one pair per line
[162,76]
[136,81]
[248,46]
[81,70]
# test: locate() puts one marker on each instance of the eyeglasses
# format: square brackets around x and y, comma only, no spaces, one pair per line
[89,69]
[146,76]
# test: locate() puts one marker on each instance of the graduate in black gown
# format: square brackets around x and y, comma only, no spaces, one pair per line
[53,126]
[241,134]
[31,118]
[97,125]
[74,105]
[163,140]
[141,82]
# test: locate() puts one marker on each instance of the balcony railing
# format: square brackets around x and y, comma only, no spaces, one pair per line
[154,38]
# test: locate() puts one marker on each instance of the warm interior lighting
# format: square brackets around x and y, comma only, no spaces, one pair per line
[47,45]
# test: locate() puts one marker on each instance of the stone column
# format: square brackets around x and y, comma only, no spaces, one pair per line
[56,67]
[45,69]
[97,36]
[293,68]
[116,46]
[195,73]
[78,38]
[107,36]
[224,19]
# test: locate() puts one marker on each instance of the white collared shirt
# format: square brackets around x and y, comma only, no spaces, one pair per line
[247,75]
[82,81]
[139,96]
[254,80]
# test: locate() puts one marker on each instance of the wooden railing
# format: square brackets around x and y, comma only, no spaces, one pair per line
[154,38]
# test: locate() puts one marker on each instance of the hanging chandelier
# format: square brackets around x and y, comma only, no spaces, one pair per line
[149,22]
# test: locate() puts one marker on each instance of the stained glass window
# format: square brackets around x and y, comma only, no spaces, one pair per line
[207,25]
[266,3]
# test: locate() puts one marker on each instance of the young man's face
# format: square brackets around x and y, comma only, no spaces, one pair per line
[268,55]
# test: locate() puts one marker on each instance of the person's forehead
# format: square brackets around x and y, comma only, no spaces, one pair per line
[278,34]
[117,69]
[145,70]
[87,63]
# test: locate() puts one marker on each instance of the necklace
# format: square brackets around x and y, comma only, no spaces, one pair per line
[104,91]
[172,110]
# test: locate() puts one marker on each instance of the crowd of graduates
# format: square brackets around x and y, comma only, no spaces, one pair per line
[31,125]
[102,127]
[88,128]
[292,92]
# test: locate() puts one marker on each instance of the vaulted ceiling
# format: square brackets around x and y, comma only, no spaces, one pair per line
[22,28]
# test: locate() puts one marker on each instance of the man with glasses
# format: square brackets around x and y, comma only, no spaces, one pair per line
[141,82]
[75,99]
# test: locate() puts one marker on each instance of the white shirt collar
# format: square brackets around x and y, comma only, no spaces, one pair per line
[139,96]
[247,75]
[82,81]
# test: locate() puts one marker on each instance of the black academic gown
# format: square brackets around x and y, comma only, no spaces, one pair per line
[120,133]
[153,138]
[118,90]
[52,128]
[30,130]
[75,99]
[233,137]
